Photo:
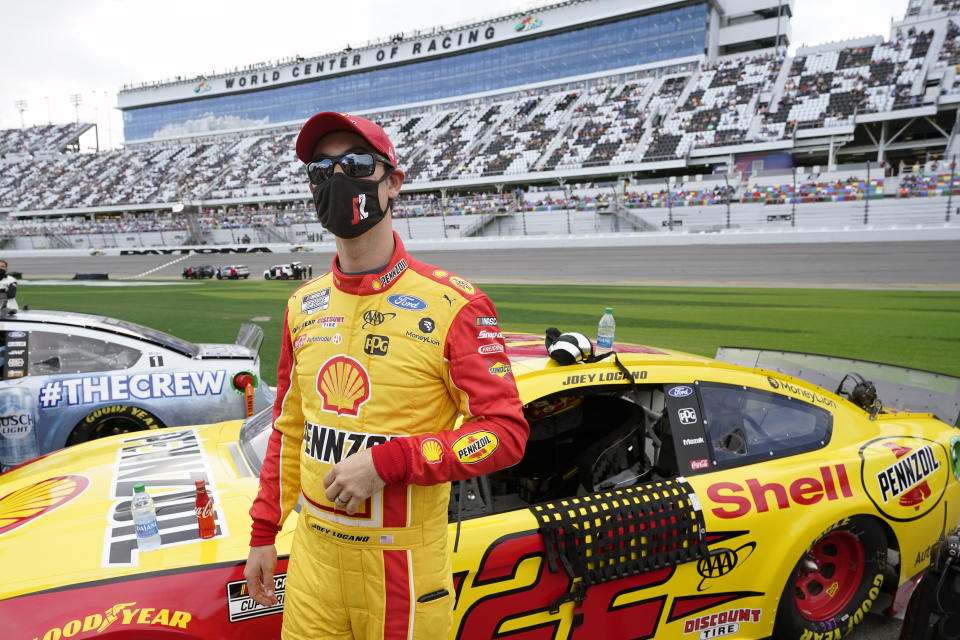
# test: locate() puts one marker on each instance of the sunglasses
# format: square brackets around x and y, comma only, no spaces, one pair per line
[355,165]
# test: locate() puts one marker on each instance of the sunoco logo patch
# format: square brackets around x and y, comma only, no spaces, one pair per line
[475,447]
[904,477]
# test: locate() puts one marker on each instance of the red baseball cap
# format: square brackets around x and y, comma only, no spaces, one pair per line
[323,123]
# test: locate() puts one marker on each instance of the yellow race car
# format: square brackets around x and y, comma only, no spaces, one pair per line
[661,494]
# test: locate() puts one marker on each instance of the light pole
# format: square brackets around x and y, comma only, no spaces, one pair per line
[953,173]
[726,181]
[669,205]
[21,106]
[76,99]
[866,203]
[793,199]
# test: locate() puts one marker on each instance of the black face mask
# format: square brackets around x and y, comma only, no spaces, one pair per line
[3,274]
[348,207]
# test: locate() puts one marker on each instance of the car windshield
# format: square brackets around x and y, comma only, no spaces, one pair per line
[254,435]
[157,337]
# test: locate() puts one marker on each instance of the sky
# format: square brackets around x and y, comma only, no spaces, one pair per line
[64,60]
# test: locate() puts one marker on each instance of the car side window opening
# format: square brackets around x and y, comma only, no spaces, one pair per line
[597,439]
[58,353]
[744,424]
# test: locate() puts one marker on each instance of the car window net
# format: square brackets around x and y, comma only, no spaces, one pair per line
[614,534]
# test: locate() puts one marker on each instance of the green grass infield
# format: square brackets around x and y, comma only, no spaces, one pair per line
[913,328]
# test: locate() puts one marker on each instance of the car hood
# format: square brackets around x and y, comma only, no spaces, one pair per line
[65,519]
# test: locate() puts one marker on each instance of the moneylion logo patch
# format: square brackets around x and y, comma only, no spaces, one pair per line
[344,385]
[474,447]
[904,477]
[30,502]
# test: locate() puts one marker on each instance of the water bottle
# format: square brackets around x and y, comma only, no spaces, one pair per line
[145,519]
[18,434]
[605,331]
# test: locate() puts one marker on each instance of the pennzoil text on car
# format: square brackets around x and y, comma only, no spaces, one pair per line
[662,495]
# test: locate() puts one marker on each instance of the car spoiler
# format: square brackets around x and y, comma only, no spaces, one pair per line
[900,388]
[250,336]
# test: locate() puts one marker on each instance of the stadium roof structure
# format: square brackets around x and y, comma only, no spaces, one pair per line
[551,43]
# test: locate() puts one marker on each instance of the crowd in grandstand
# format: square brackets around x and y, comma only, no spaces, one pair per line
[626,121]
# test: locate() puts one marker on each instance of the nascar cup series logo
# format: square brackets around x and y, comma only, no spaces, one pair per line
[344,385]
[904,477]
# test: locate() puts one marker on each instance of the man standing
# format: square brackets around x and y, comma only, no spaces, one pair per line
[379,357]
[8,287]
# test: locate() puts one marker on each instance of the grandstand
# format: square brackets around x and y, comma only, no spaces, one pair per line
[578,117]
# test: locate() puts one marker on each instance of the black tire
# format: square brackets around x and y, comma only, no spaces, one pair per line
[804,612]
[108,421]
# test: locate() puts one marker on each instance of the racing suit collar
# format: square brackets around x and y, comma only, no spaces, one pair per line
[369,283]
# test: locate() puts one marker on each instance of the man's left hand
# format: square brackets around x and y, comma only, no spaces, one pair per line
[352,481]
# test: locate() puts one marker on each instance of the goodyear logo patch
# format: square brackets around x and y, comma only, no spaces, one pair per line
[474,447]
[463,285]
[904,477]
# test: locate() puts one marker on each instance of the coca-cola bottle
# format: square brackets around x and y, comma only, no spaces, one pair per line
[204,510]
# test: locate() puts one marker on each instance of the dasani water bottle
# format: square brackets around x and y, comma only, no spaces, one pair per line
[605,331]
[144,519]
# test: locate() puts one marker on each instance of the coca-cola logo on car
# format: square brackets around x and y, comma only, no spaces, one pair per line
[206,511]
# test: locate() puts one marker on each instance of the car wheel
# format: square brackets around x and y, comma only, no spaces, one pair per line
[108,421]
[835,583]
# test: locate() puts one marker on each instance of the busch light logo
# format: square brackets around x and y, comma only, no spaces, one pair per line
[680,392]
[18,439]
[407,302]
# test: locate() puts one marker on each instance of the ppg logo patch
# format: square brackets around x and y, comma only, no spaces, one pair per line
[687,415]
[376,345]
[680,392]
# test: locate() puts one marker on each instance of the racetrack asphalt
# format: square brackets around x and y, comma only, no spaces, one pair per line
[895,265]
[889,265]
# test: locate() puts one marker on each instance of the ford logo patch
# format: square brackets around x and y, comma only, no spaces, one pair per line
[16,334]
[408,302]
[680,392]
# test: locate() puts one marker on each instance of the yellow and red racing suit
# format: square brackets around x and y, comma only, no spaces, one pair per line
[386,360]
